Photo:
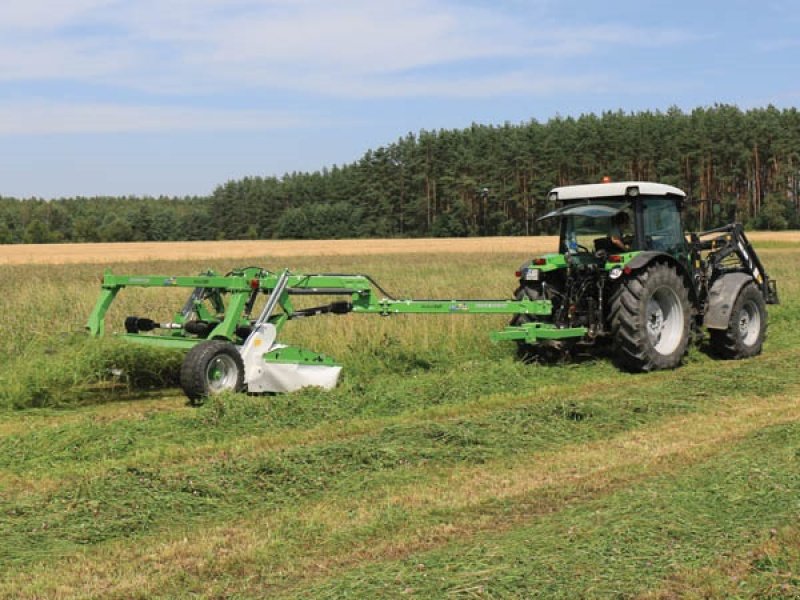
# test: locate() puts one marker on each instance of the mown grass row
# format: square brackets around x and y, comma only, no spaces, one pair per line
[613,546]
[771,569]
[269,548]
[139,493]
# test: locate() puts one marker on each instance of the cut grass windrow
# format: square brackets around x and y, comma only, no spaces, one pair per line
[144,496]
[285,547]
[221,441]
[615,545]
[769,570]
[235,422]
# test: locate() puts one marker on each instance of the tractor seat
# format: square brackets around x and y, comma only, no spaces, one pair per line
[606,244]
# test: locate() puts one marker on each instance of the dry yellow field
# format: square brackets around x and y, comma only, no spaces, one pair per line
[142,251]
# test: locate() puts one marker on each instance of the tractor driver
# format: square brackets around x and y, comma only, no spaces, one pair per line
[620,228]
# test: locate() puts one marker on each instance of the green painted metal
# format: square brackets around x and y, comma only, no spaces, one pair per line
[233,317]
[161,341]
[450,307]
[237,287]
[553,262]
[624,259]
[96,323]
[532,332]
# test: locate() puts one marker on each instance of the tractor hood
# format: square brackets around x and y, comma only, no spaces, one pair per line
[593,210]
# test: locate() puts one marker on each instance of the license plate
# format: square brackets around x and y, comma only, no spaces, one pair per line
[532,275]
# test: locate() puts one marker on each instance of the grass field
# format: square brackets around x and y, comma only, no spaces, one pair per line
[23,254]
[441,466]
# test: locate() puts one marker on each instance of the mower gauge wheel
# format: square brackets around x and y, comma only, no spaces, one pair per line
[210,368]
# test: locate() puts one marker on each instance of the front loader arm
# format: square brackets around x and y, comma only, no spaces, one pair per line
[731,240]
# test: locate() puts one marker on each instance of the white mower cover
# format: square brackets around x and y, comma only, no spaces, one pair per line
[261,376]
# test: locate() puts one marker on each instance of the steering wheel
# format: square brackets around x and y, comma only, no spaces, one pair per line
[584,248]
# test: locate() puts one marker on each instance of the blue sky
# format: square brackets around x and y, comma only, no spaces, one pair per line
[177,96]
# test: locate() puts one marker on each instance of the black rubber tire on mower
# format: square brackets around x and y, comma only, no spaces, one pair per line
[747,327]
[638,307]
[204,362]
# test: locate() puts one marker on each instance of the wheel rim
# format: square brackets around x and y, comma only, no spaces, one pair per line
[749,320]
[221,374]
[664,321]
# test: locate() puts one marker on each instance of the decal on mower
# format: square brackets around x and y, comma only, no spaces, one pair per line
[458,307]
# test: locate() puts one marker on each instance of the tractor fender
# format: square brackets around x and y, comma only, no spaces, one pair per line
[644,259]
[721,297]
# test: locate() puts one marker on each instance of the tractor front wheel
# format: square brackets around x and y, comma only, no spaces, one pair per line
[211,367]
[650,319]
[747,327]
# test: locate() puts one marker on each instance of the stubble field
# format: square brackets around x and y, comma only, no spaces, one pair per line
[441,466]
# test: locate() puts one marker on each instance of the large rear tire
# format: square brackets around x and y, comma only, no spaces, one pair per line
[747,328]
[210,368]
[650,319]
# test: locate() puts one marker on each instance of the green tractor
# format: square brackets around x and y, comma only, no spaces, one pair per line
[625,275]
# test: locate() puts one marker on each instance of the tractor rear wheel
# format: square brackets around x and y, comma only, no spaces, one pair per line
[211,367]
[747,327]
[650,319]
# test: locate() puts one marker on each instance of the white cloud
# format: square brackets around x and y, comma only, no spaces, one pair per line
[81,60]
[363,48]
[40,117]
[347,49]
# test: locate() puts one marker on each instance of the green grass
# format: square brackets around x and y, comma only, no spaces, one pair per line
[612,546]
[441,465]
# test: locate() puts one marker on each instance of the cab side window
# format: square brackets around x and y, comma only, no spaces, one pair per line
[662,225]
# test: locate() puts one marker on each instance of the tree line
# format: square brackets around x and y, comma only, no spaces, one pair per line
[735,165]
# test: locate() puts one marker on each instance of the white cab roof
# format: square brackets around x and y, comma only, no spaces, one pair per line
[616,188]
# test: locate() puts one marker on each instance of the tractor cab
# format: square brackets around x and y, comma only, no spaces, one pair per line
[613,218]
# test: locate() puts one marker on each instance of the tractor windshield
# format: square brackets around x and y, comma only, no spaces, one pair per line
[594,227]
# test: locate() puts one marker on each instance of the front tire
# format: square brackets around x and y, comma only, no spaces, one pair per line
[650,319]
[211,367]
[747,328]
